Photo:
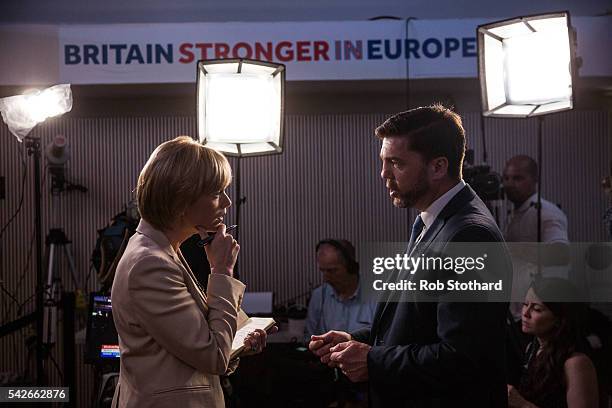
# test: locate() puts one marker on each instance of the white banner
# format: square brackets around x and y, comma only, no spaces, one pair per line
[164,53]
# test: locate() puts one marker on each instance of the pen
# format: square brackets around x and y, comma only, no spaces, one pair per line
[208,239]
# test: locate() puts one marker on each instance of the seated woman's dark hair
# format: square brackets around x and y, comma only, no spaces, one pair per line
[546,375]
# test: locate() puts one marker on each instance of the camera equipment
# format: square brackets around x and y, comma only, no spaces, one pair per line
[57,154]
[486,183]
[111,242]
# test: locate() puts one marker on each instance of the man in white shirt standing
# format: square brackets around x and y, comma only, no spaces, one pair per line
[520,185]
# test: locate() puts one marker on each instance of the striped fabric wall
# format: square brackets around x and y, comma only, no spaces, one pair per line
[325,184]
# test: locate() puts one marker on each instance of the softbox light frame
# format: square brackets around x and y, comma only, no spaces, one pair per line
[527,109]
[239,147]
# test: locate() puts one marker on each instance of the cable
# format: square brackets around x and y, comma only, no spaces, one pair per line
[407,58]
[21,195]
[407,21]
[21,278]
[59,371]
[13,298]
[28,259]
[12,218]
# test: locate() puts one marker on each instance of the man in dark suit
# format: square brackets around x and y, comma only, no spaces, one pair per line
[442,352]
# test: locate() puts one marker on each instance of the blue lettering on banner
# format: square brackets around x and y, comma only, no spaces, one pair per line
[398,49]
[450,45]
[134,54]
[437,48]
[118,49]
[469,47]
[412,46]
[374,50]
[90,54]
[93,54]
[71,55]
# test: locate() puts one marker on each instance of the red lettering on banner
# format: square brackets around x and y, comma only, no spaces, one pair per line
[246,47]
[321,48]
[185,51]
[284,56]
[203,47]
[303,51]
[262,53]
[221,50]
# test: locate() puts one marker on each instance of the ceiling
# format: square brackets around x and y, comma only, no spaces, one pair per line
[149,11]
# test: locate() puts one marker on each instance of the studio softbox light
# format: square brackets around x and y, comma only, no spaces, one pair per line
[240,106]
[525,65]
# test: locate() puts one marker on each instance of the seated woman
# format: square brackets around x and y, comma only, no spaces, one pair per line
[176,340]
[556,373]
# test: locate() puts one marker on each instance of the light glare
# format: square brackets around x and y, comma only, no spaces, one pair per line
[22,112]
[229,94]
[538,68]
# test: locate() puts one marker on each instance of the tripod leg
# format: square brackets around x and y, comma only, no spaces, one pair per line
[50,307]
[50,270]
[75,280]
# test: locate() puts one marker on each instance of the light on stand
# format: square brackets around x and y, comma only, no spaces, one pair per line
[241,110]
[22,113]
[526,68]
[240,106]
[525,65]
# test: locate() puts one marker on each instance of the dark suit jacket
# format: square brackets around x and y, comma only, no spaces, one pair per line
[440,353]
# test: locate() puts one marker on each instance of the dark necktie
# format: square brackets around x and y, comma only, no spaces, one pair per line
[417,228]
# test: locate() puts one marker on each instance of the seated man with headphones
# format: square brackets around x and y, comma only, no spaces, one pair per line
[337,304]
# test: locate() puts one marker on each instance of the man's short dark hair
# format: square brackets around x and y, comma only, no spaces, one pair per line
[530,165]
[433,131]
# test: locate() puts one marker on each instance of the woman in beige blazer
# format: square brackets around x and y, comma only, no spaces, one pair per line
[175,340]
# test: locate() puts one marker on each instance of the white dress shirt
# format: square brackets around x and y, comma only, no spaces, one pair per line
[434,209]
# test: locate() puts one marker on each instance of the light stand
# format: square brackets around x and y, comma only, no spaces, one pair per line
[240,106]
[22,113]
[33,148]
[539,199]
[526,68]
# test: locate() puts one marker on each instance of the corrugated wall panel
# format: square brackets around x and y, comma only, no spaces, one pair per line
[325,184]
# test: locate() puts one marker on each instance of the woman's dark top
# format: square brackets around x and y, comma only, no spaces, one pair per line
[555,397]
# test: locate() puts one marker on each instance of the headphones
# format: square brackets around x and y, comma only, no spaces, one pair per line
[346,249]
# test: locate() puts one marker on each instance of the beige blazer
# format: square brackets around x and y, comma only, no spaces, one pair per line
[175,341]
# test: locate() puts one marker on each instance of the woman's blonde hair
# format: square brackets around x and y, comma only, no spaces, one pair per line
[175,176]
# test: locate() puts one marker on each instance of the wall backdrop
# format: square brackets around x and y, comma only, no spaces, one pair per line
[325,184]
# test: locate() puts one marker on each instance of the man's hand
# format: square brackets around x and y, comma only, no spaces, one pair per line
[352,358]
[256,340]
[320,345]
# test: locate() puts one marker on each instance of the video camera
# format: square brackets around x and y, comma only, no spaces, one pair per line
[487,184]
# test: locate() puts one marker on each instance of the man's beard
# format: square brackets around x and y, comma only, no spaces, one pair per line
[410,198]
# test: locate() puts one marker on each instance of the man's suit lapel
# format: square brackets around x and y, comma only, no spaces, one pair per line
[386,309]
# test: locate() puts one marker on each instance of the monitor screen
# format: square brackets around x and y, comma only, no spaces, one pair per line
[102,343]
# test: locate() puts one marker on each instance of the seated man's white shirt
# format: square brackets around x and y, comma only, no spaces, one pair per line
[327,311]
